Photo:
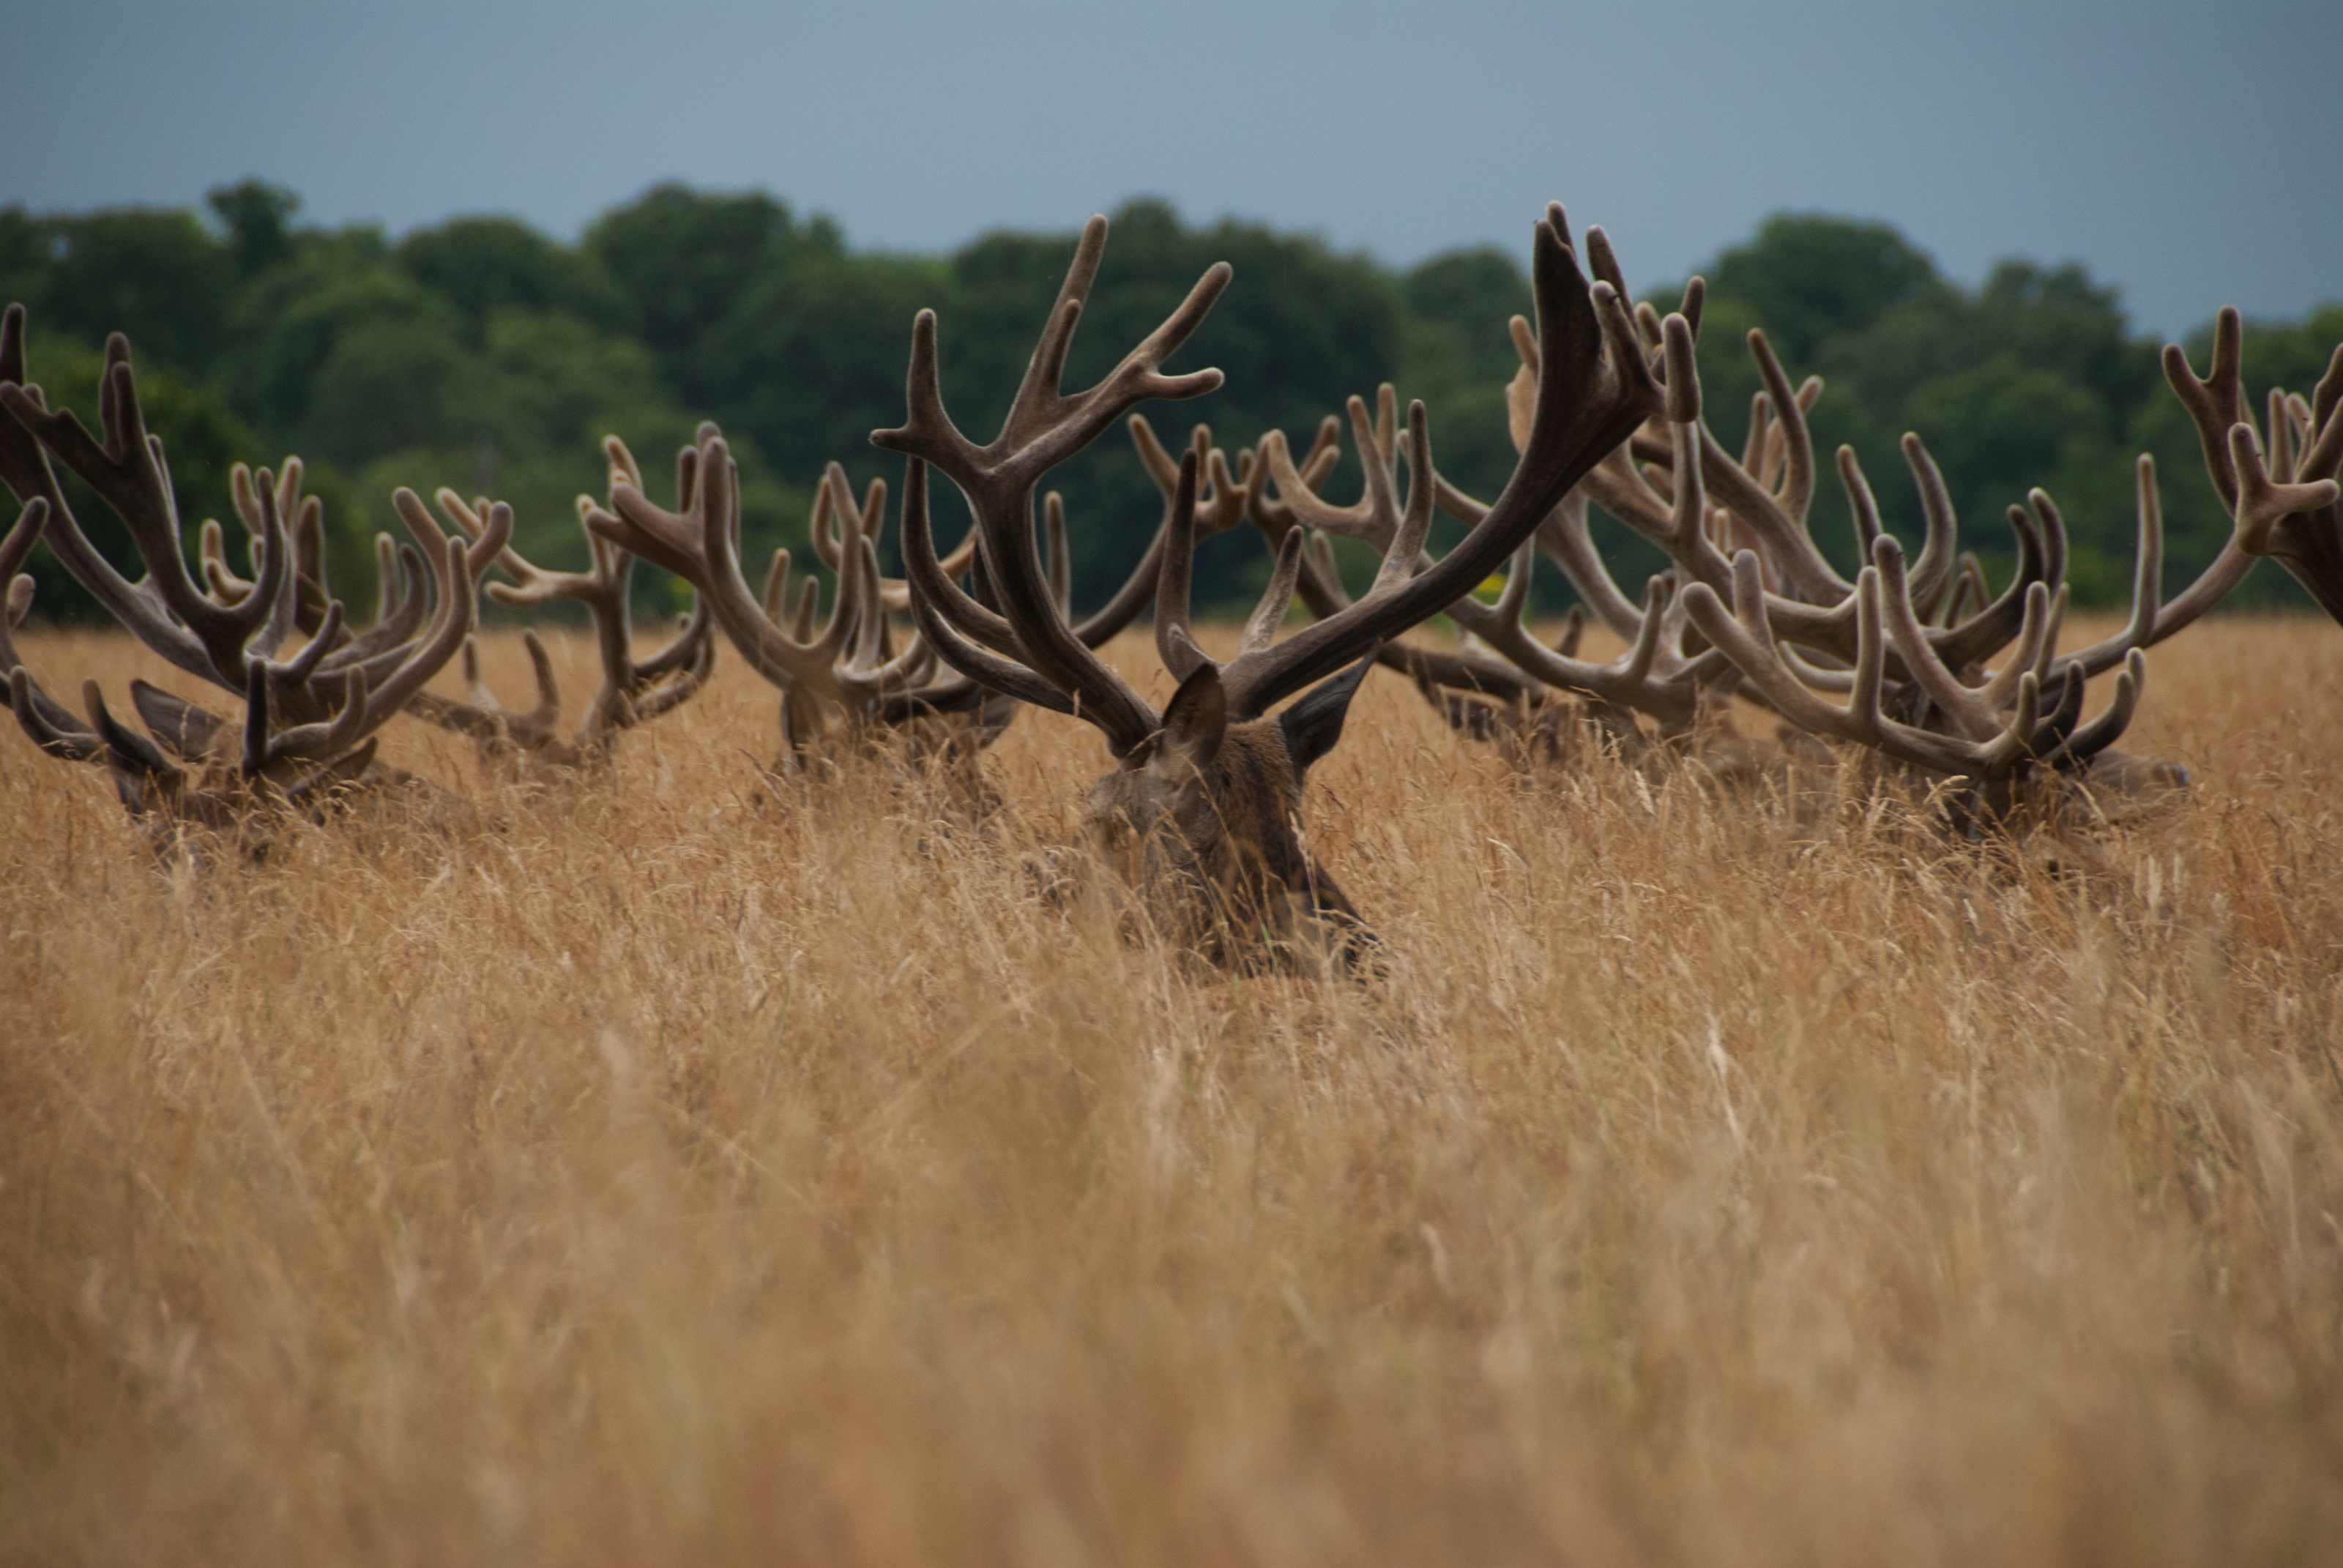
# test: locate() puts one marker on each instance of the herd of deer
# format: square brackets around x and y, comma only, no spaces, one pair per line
[1913,665]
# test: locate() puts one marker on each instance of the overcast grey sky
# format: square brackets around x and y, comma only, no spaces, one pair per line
[2182,151]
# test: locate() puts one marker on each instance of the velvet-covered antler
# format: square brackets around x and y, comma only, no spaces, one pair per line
[632,690]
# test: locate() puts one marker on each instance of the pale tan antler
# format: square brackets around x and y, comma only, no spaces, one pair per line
[835,512]
[632,690]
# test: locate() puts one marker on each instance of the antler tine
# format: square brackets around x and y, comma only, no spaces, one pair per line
[837,634]
[275,537]
[807,610]
[867,629]
[1595,387]
[141,753]
[1061,559]
[938,602]
[1940,546]
[774,656]
[1791,453]
[699,543]
[1276,599]
[458,614]
[395,621]
[24,468]
[2041,539]
[306,600]
[2308,541]
[692,645]
[2279,422]
[211,561]
[1976,712]
[2322,449]
[2088,740]
[1761,429]
[1968,584]
[389,577]
[1045,426]
[49,722]
[1860,501]
[1672,696]
[532,585]
[776,601]
[2147,584]
[1779,523]
[1562,539]
[1977,639]
[834,504]
[16,549]
[969,616]
[1175,645]
[1222,499]
[548,711]
[690,677]
[1374,517]
[2215,401]
[833,499]
[1403,554]
[475,688]
[352,720]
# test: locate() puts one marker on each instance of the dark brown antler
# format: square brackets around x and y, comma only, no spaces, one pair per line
[1044,427]
[229,629]
[843,669]
[2280,492]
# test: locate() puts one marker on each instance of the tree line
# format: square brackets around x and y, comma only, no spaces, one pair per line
[482,354]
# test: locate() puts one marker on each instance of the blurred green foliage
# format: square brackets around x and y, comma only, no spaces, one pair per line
[486,357]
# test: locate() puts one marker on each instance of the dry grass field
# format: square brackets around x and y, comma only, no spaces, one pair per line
[672,1170]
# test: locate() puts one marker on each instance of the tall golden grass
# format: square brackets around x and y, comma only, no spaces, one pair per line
[677,1169]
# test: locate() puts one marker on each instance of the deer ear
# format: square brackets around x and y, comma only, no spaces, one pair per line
[1197,720]
[178,724]
[1313,725]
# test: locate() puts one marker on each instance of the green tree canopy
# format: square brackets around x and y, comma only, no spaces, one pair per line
[482,354]
[485,265]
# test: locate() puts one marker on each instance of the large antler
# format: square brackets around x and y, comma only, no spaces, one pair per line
[2280,492]
[632,690]
[1042,661]
[1994,729]
[335,686]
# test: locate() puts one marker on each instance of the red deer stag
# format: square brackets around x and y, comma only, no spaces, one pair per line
[309,716]
[1199,816]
